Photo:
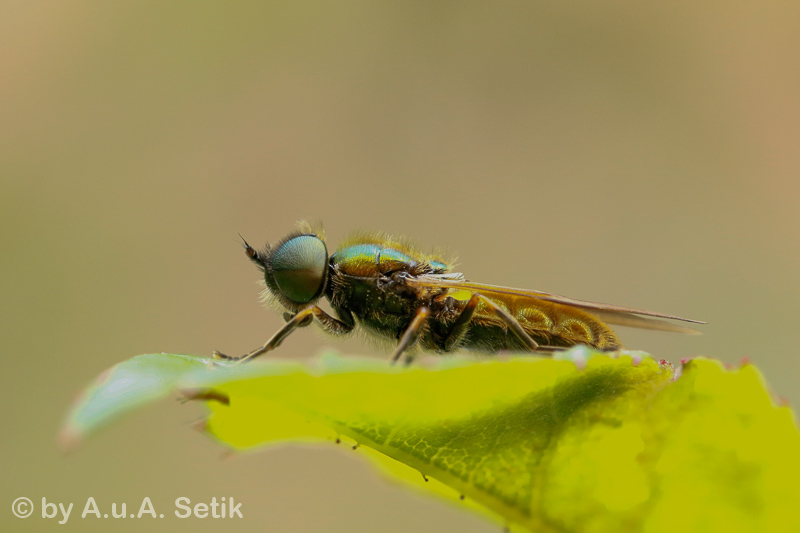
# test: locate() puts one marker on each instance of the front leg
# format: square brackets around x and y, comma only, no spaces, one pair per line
[301,318]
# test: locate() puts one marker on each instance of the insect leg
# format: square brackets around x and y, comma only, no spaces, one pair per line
[459,327]
[512,322]
[330,324]
[411,334]
[300,319]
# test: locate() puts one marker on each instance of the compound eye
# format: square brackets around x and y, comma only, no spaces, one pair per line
[299,266]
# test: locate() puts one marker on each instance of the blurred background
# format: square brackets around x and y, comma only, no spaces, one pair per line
[643,155]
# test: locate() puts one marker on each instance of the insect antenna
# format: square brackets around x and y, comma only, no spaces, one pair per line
[251,252]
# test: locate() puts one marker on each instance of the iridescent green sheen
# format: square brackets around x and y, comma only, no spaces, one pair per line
[371,259]
[391,260]
[359,253]
[438,266]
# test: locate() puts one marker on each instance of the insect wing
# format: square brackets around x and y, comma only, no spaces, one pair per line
[613,314]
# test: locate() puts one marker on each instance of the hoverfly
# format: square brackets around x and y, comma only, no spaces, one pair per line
[391,290]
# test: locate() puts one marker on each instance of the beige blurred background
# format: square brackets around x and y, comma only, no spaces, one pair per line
[640,155]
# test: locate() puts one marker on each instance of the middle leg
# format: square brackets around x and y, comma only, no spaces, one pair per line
[411,334]
[461,326]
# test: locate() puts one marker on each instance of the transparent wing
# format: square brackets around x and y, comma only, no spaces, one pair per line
[613,314]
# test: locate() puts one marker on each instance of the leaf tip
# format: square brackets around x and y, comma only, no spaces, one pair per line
[68,439]
[70,435]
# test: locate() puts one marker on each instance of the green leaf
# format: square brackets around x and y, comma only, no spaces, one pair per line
[586,442]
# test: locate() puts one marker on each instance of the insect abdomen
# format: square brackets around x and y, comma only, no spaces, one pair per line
[548,323]
[567,326]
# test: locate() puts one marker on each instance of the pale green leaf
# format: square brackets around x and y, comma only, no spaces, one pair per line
[583,443]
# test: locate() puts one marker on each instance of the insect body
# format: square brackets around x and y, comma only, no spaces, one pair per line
[390,289]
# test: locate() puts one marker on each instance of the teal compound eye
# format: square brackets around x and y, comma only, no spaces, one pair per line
[299,268]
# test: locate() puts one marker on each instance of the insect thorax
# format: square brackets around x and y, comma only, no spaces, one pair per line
[365,282]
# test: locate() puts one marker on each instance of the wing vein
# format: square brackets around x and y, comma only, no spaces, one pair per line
[613,314]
